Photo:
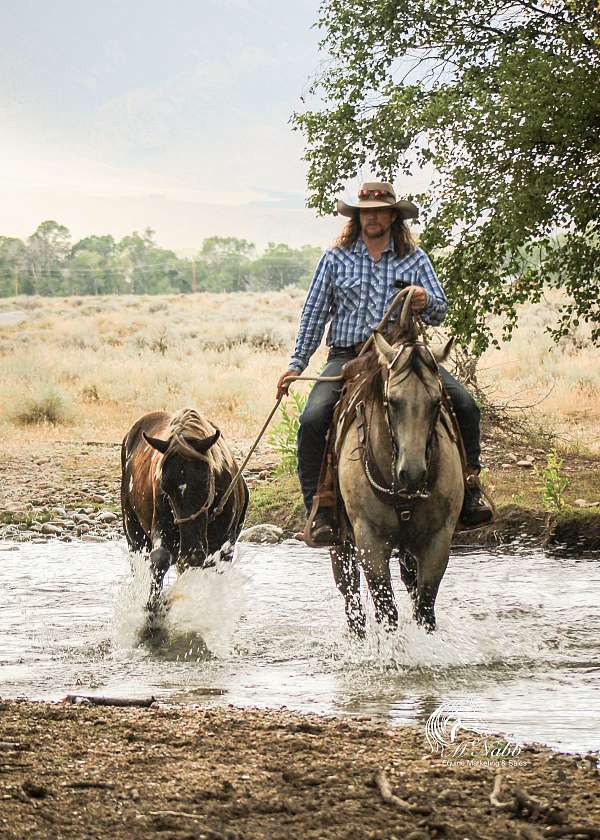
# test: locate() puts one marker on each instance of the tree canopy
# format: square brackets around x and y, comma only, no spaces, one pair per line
[47,264]
[501,102]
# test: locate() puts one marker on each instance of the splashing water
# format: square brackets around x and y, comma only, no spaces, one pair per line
[518,635]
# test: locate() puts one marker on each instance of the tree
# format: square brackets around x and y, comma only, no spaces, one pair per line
[47,251]
[13,266]
[501,100]
[227,264]
[282,266]
[148,269]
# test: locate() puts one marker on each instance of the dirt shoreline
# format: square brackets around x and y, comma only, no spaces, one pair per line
[70,490]
[184,773]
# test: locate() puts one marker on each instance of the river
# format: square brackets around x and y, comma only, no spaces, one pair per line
[517,649]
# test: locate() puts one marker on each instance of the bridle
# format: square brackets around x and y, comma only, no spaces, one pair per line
[390,493]
[192,453]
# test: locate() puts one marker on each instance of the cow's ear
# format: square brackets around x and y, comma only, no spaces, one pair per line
[156,443]
[202,445]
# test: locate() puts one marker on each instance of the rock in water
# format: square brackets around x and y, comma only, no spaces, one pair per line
[262,534]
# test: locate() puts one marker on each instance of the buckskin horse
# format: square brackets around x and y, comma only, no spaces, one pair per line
[174,470]
[399,477]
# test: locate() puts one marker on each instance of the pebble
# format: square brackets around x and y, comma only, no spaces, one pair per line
[526,464]
[98,498]
[106,516]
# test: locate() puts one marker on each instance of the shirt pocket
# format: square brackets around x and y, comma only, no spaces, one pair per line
[404,278]
[348,290]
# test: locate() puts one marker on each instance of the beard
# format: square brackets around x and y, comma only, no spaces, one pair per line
[374,230]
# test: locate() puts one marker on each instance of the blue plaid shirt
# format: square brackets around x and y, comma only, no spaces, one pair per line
[354,292]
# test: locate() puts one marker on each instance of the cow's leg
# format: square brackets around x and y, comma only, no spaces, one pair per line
[346,574]
[431,565]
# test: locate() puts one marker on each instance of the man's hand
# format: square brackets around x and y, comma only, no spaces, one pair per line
[419,299]
[284,382]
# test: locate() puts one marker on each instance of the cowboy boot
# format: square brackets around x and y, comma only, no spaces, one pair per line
[323,530]
[475,509]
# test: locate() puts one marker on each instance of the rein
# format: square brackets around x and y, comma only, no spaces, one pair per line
[391,494]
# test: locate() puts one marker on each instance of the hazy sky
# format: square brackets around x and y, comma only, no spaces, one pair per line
[127,113]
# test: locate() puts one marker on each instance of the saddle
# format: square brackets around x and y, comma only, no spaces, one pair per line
[360,376]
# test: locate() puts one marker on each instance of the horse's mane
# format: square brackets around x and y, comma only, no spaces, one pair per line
[366,368]
[187,422]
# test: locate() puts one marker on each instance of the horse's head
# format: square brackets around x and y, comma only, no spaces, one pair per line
[186,475]
[412,398]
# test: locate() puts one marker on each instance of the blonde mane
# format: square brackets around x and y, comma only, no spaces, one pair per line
[187,422]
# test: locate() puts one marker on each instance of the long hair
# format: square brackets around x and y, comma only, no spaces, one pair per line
[404,241]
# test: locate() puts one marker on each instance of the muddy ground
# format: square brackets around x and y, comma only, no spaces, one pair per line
[70,490]
[180,773]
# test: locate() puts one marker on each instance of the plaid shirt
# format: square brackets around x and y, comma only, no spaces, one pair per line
[353,292]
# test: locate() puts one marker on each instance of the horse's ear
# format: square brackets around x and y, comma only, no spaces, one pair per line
[156,443]
[202,445]
[385,351]
[440,354]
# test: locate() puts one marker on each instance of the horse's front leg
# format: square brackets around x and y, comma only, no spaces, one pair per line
[346,574]
[431,565]
[162,554]
[374,556]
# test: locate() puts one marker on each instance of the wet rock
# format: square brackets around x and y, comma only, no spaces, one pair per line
[262,534]
[49,528]
[92,538]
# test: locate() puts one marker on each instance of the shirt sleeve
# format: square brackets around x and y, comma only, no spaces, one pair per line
[315,314]
[437,305]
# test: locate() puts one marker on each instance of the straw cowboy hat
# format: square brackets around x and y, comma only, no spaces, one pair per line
[378,194]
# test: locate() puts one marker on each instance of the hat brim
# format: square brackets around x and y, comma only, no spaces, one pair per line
[406,209]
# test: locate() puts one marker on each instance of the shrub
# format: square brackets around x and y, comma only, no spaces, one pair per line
[284,433]
[50,405]
[554,482]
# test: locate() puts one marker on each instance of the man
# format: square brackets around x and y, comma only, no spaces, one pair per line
[354,283]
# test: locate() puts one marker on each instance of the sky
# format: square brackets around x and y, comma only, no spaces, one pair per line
[124,114]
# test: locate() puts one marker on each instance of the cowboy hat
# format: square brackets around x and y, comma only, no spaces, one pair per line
[378,194]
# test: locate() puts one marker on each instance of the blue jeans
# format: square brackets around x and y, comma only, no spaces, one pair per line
[318,412]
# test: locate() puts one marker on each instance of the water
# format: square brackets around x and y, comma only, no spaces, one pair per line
[518,639]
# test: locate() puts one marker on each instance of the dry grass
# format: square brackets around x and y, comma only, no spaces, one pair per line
[562,381]
[114,358]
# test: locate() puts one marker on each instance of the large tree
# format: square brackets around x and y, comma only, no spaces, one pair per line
[501,102]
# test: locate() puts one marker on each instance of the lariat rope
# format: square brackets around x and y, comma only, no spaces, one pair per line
[400,297]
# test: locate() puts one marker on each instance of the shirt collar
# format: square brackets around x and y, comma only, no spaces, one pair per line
[360,247]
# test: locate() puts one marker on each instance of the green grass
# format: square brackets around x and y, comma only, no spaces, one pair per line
[279,503]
